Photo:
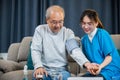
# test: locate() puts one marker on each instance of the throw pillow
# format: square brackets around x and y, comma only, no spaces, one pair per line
[7,66]
[29,60]
[23,49]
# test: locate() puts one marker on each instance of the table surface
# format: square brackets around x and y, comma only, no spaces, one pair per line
[85,78]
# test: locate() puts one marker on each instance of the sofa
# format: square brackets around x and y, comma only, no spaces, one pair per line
[12,68]
[18,56]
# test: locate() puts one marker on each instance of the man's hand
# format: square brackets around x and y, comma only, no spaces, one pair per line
[40,71]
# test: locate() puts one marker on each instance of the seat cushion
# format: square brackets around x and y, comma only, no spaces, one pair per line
[1,73]
[7,66]
[16,75]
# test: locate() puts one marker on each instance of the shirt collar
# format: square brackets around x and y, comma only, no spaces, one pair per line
[92,34]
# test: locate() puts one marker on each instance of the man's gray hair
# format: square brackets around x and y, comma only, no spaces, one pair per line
[53,9]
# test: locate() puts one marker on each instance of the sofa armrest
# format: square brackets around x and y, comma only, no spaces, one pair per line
[73,66]
[7,66]
[116,39]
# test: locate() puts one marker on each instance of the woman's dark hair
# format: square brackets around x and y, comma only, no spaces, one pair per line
[93,15]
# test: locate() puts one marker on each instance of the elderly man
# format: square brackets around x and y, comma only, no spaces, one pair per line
[49,47]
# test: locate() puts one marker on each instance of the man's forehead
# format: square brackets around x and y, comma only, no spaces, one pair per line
[57,16]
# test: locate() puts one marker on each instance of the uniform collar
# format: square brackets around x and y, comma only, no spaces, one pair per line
[92,34]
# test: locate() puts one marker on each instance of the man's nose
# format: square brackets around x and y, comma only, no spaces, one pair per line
[58,24]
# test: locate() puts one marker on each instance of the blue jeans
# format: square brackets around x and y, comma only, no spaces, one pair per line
[59,75]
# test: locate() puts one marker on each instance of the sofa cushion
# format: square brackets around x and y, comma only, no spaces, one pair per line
[16,75]
[23,63]
[1,73]
[24,48]
[116,39]
[13,52]
[7,66]
[29,60]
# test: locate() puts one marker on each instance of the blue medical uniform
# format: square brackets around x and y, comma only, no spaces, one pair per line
[96,51]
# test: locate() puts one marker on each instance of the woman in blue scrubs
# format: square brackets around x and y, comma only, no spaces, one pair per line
[98,46]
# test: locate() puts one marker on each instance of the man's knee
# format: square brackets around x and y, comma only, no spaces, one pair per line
[65,75]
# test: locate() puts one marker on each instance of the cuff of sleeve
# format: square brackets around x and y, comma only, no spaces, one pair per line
[37,66]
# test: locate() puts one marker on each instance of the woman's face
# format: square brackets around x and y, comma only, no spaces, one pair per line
[88,25]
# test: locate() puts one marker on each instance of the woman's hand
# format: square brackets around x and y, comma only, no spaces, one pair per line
[99,70]
[94,69]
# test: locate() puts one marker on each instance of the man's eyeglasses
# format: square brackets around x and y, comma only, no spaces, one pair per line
[57,22]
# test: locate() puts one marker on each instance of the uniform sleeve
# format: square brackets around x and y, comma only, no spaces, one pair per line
[36,49]
[106,43]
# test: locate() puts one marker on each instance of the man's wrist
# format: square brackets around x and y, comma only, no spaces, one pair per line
[39,67]
[86,64]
